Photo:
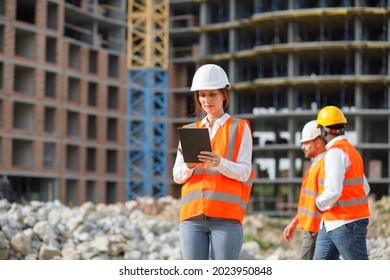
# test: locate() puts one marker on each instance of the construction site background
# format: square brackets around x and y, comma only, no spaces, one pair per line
[81,119]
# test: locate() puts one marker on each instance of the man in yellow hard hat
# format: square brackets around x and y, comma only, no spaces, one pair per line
[343,192]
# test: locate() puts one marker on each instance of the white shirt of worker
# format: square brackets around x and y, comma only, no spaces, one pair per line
[336,164]
[239,170]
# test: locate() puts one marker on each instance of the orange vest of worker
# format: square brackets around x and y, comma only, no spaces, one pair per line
[210,193]
[309,217]
[353,203]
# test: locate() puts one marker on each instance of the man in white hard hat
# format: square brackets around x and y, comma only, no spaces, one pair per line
[308,217]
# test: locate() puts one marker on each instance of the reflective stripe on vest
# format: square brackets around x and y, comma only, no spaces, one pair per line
[211,195]
[351,202]
[310,192]
[347,182]
[310,214]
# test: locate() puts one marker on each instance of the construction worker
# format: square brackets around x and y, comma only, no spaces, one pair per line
[343,192]
[308,216]
[216,189]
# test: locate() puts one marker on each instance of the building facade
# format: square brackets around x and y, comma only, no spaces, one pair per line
[63,100]
[286,60]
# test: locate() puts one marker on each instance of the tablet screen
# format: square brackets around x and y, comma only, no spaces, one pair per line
[193,141]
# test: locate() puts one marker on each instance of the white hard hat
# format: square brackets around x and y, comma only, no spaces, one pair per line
[310,131]
[208,77]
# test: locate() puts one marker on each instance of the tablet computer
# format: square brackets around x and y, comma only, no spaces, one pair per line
[193,141]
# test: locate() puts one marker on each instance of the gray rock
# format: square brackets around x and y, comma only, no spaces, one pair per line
[4,205]
[4,246]
[21,243]
[145,229]
[48,252]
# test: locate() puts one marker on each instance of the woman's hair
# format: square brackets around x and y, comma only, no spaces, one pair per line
[224,91]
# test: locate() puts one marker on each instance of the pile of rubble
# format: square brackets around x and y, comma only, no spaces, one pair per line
[144,229]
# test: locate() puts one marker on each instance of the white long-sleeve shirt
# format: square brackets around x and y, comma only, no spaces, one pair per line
[336,164]
[239,170]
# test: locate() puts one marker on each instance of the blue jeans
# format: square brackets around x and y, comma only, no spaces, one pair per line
[199,234]
[349,241]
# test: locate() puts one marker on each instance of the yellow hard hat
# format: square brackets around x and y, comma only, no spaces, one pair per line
[330,115]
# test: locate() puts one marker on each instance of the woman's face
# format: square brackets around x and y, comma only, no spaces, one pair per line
[211,101]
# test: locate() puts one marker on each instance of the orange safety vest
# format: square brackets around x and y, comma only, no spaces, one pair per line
[353,202]
[210,193]
[309,217]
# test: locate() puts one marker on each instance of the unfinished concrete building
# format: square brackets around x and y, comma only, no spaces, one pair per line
[286,60]
[63,100]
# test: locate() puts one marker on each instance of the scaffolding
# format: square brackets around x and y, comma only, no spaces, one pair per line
[146,171]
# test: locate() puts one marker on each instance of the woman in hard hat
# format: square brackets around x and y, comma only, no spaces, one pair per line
[343,192]
[308,217]
[216,190]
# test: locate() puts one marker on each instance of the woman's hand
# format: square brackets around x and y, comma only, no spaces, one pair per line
[210,158]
